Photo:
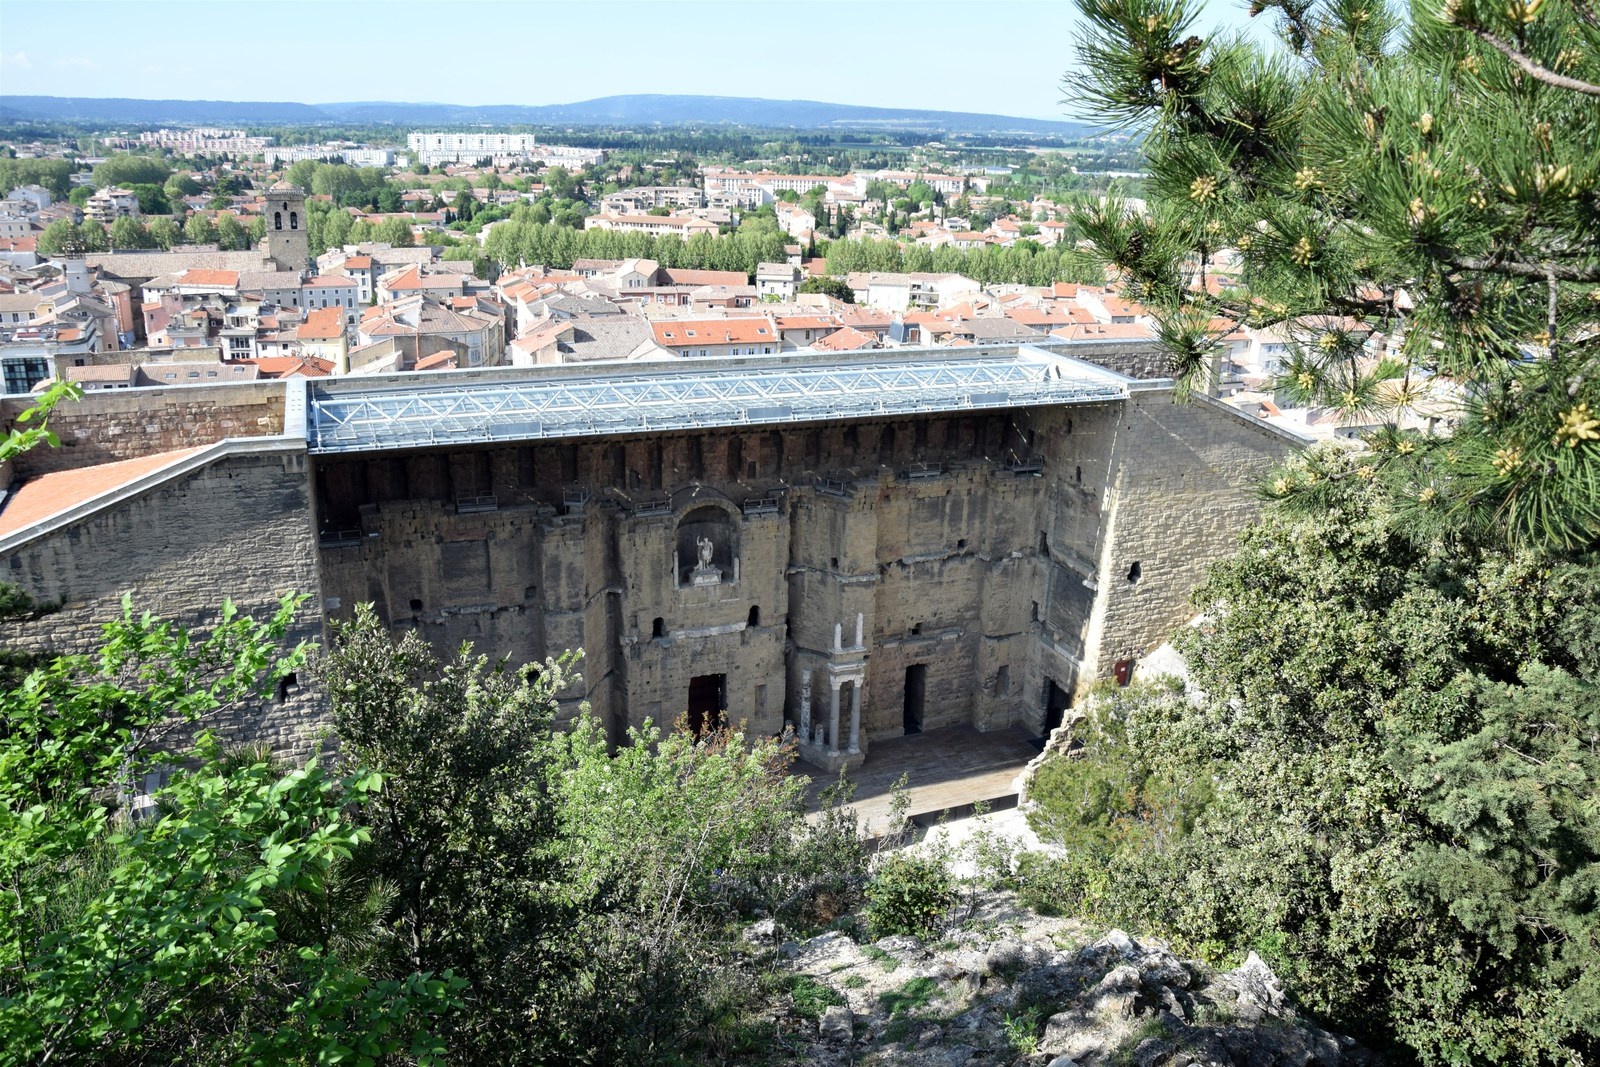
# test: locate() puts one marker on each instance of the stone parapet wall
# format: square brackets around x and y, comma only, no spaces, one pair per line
[109,425]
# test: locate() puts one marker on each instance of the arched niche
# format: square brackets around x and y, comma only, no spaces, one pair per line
[713,523]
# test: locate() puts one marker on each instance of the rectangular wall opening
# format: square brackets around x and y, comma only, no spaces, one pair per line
[1056,702]
[916,695]
[708,700]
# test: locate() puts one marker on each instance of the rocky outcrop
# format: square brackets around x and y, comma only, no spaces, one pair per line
[1011,987]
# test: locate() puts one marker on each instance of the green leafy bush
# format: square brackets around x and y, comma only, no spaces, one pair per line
[909,894]
[1399,778]
[811,997]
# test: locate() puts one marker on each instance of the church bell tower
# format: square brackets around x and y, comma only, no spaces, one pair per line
[286,244]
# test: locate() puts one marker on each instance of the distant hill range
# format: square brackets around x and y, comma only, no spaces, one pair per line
[634,111]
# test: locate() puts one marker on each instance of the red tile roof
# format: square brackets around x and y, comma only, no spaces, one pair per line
[293,366]
[848,339]
[445,360]
[322,324]
[49,494]
[687,333]
[199,276]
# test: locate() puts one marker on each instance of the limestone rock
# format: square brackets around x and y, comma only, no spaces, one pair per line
[1118,999]
[838,1024]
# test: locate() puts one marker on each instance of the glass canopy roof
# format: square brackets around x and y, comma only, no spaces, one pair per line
[353,414]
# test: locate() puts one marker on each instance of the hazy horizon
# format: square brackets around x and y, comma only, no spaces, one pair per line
[753,49]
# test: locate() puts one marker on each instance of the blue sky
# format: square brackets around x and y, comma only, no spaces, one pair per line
[998,56]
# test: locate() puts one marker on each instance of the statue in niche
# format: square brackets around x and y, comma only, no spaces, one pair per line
[705,573]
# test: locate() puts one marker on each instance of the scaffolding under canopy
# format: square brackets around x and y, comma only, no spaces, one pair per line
[452,408]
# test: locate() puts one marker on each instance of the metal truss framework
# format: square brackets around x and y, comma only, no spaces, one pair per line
[347,418]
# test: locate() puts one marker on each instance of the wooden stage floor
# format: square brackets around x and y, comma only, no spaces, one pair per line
[948,768]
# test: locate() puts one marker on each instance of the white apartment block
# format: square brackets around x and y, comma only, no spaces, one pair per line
[201,140]
[109,205]
[354,155]
[434,148]
[653,225]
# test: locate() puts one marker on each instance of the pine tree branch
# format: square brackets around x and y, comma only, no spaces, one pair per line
[1522,269]
[1544,74]
[1551,324]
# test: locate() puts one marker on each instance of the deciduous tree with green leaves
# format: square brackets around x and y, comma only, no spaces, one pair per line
[127,232]
[230,234]
[199,230]
[165,232]
[210,932]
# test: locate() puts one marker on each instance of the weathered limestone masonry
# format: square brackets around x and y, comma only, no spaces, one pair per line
[231,521]
[853,578]
[904,574]
[107,426]
[1166,519]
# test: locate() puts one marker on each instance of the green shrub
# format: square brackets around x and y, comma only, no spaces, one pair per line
[811,997]
[913,996]
[1074,884]
[909,894]
[1022,1030]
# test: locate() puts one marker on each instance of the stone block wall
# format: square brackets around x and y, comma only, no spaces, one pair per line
[1183,485]
[239,527]
[990,549]
[109,425]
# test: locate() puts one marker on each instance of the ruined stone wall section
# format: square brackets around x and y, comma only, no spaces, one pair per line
[1065,547]
[451,577]
[239,527]
[977,547]
[1183,487]
[109,425]
[736,628]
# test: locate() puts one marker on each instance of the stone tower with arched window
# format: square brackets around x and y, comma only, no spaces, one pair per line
[285,243]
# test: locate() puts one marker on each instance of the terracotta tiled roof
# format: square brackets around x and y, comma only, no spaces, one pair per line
[687,333]
[845,340]
[51,493]
[807,322]
[1105,331]
[445,360]
[323,324]
[293,366]
[200,276]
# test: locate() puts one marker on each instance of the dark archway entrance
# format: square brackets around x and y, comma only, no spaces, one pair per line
[1056,702]
[708,699]
[916,696]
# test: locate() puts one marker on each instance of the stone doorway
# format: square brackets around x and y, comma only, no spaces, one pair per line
[708,699]
[1056,702]
[916,691]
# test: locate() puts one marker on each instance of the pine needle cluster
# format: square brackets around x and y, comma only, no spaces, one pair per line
[1430,177]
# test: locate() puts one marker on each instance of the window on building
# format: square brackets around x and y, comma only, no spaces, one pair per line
[277,220]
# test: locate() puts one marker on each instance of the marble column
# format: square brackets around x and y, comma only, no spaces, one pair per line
[805,705]
[855,717]
[833,723]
